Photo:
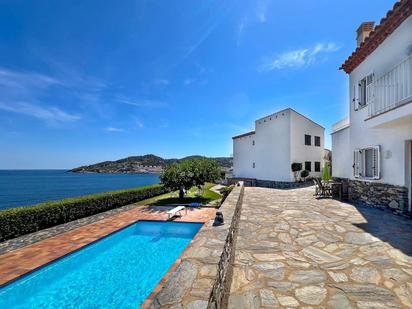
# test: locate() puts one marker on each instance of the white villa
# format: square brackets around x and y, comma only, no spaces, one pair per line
[372,148]
[280,139]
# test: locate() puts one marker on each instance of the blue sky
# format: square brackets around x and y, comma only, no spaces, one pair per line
[87,81]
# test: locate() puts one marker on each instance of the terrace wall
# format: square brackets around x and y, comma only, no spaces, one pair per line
[204,275]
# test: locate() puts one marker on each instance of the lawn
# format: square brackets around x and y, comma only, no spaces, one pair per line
[190,197]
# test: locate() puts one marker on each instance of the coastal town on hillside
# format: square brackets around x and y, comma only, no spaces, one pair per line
[283,222]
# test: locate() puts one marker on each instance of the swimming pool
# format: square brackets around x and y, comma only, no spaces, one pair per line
[118,271]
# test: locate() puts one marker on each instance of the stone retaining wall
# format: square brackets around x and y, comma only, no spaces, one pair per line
[221,287]
[379,195]
[249,182]
[204,273]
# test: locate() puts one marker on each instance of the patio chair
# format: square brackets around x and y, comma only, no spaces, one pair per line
[325,189]
[317,189]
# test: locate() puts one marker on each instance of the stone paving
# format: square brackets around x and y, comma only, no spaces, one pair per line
[295,251]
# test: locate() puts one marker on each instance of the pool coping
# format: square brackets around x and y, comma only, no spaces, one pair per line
[12,276]
[146,304]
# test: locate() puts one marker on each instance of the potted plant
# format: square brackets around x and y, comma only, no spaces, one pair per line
[304,174]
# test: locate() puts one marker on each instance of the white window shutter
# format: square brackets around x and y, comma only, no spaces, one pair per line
[355,97]
[376,162]
[369,88]
[357,163]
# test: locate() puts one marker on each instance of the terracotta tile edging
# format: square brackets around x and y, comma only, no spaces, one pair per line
[146,304]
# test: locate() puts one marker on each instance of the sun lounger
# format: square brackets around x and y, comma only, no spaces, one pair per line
[175,211]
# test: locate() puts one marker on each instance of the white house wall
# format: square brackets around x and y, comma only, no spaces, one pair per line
[391,139]
[272,149]
[341,154]
[243,157]
[279,141]
[299,151]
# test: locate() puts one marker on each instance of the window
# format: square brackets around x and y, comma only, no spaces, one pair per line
[308,166]
[253,164]
[366,163]
[317,166]
[317,141]
[365,91]
[308,140]
[253,143]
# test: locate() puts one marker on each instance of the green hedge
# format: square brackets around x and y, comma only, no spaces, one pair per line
[23,220]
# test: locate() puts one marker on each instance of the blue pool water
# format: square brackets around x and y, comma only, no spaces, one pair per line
[118,271]
[27,187]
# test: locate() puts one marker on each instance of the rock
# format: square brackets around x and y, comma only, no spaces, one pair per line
[339,301]
[247,300]
[288,301]
[329,237]
[269,266]
[404,293]
[319,255]
[178,284]
[375,305]
[241,277]
[395,274]
[197,304]
[312,295]
[338,277]
[307,276]
[365,275]
[285,238]
[367,292]
[307,240]
[393,204]
[359,238]
[268,257]
[208,271]
[268,299]
[281,286]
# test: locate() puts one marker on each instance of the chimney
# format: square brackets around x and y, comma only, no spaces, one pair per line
[363,31]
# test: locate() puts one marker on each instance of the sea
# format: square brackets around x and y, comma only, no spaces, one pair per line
[19,188]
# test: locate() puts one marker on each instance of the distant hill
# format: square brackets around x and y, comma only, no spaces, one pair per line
[141,164]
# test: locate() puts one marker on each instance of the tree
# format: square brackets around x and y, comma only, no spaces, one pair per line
[177,176]
[188,173]
[304,174]
[296,167]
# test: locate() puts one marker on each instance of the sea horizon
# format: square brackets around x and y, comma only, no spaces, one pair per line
[26,187]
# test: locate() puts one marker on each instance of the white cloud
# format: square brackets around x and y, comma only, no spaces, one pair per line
[53,114]
[298,58]
[142,102]
[22,80]
[260,11]
[162,82]
[139,124]
[256,14]
[112,129]
[188,81]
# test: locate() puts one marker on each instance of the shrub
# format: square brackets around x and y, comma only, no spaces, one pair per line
[225,191]
[23,220]
[326,172]
[304,174]
[296,167]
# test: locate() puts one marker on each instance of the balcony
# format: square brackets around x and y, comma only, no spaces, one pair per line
[392,90]
[340,125]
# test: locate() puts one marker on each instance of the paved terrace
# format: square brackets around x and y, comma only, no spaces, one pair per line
[296,251]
